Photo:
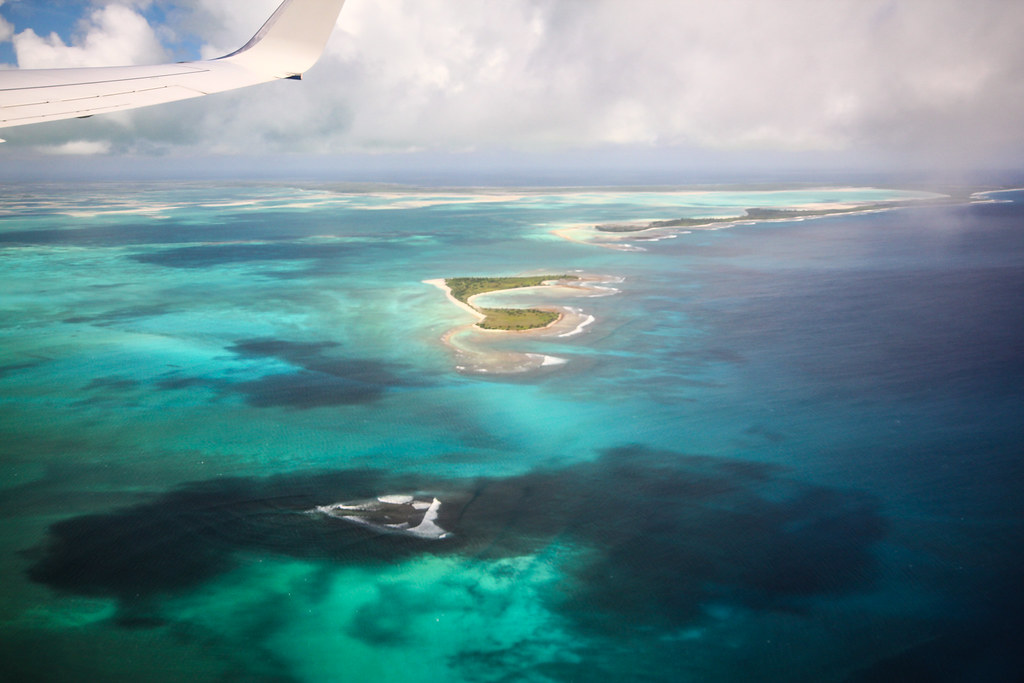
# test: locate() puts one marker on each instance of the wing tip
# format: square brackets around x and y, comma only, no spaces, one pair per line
[291,40]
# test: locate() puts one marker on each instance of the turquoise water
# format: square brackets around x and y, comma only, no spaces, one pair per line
[782,450]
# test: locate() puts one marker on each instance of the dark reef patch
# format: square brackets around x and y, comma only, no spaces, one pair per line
[191,534]
[15,367]
[208,255]
[322,378]
[326,379]
[661,532]
[116,382]
[305,390]
[677,531]
[121,314]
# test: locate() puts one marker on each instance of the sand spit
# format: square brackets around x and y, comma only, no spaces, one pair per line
[443,286]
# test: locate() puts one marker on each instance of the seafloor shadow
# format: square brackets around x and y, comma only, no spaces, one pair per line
[658,533]
[320,376]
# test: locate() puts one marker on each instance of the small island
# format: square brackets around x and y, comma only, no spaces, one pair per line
[479,347]
[463,289]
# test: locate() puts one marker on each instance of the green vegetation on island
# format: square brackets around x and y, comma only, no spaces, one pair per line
[516,318]
[464,288]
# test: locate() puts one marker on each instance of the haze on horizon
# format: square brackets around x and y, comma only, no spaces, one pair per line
[689,86]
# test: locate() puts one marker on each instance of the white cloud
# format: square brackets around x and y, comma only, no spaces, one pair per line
[6,30]
[77,148]
[111,35]
[733,74]
[909,76]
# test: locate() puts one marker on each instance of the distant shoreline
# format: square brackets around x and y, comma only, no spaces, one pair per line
[614,235]
[757,214]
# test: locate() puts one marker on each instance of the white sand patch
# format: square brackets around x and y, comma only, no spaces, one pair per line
[588,320]
[428,527]
[396,499]
[443,286]
[391,514]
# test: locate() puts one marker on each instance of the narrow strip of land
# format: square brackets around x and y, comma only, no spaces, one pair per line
[625,235]
[772,214]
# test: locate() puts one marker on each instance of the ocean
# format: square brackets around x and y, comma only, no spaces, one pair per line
[780,450]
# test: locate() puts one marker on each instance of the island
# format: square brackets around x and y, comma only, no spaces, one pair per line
[479,347]
[465,288]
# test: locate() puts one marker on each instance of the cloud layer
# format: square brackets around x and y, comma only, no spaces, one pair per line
[941,80]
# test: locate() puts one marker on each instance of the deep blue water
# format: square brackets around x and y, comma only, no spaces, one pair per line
[783,451]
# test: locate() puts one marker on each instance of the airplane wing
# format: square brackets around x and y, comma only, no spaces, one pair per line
[289,43]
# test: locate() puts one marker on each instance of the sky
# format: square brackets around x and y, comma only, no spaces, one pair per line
[682,86]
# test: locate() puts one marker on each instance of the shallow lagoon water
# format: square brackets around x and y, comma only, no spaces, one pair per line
[782,450]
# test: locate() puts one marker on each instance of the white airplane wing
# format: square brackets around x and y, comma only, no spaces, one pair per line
[288,44]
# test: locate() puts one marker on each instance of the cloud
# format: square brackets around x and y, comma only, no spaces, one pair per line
[739,74]
[110,35]
[78,148]
[734,74]
[939,79]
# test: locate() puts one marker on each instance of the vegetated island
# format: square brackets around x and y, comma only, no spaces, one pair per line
[463,289]
[763,214]
[477,346]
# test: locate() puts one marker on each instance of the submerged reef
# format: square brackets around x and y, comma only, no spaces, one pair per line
[647,536]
